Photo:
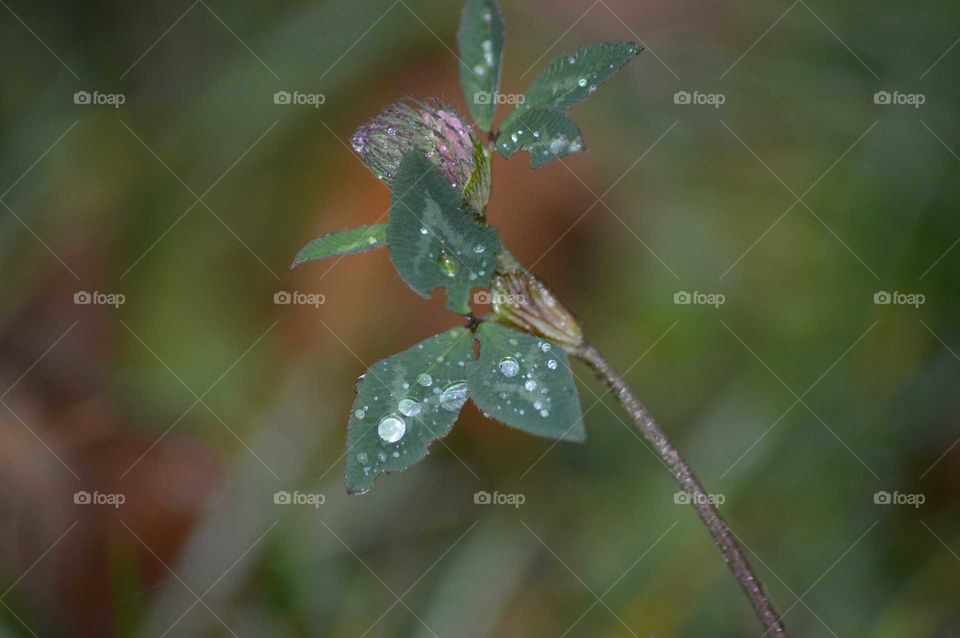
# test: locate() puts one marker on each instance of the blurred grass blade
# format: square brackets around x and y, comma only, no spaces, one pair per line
[544,132]
[343,242]
[481,50]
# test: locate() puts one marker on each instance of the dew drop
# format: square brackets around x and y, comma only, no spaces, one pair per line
[581,82]
[530,385]
[509,367]
[363,458]
[544,413]
[425,380]
[424,231]
[409,407]
[453,397]
[448,265]
[382,456]
[545,347]
[359,413]
[479,248]
[391,428]
[552,364]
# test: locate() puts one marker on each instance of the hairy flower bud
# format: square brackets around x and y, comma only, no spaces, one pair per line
[438,132]
[521,300]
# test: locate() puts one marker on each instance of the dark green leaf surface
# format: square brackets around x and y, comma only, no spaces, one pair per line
[575,76]
[526,383]
[343,242]
[404,403]
[435,242]
[481,49]
[544,132]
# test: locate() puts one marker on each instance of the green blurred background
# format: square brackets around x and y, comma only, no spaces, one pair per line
[198,398]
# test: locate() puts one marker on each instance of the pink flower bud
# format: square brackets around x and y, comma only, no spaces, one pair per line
[438,132]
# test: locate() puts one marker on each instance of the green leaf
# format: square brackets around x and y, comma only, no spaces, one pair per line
[481,49]
[544,132]
[343,242]
[525,382]
[435,241]
[404,402]
[573,77]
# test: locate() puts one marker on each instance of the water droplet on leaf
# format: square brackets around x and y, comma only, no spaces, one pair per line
[448,265]
[454,396]
[391,428]
[409,407]
[509,367]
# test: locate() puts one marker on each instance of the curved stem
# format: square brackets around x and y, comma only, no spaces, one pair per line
[688,483]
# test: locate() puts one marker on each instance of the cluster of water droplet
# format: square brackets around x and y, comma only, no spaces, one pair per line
[537,392]
[422,400]
[488,60]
